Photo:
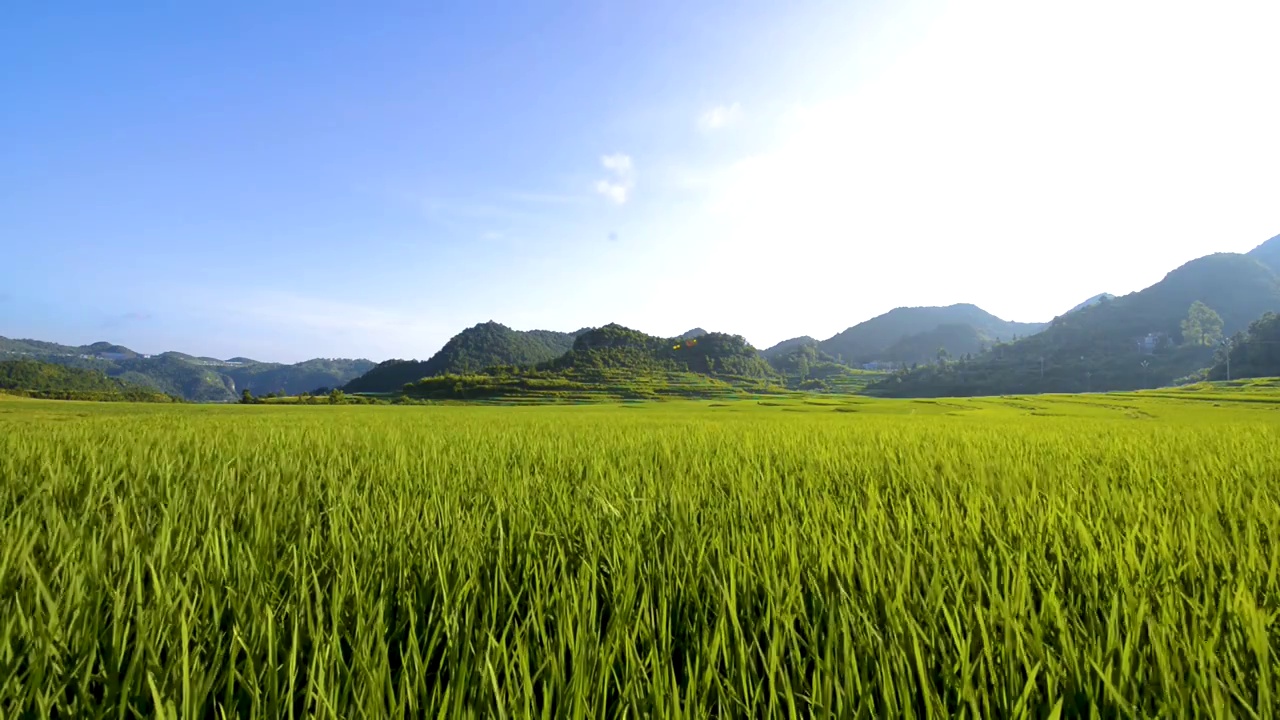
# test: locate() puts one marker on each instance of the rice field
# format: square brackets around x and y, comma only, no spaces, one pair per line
[1068,556]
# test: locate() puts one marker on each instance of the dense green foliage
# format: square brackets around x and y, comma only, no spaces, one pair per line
[870,341]
[617,347]
[582,385]
[40,376]
[1251,354]
[1009,557]
[58,382]
[482,346]
[617,362]
[1202,327]
[804,366]
[197,383]
[1098,347]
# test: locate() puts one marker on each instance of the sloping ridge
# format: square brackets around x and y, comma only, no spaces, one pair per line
[785,347]
[1097,348]
[1238,287]
[1268,253]
[871,340]
[1101,297]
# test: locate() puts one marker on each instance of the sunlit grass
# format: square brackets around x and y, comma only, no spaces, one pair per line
[824,556]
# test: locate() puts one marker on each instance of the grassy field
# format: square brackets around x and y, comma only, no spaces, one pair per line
[1058,556]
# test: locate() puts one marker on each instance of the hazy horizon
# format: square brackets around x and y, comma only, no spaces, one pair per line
[282,186]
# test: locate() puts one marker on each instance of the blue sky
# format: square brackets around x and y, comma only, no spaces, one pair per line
[323,180]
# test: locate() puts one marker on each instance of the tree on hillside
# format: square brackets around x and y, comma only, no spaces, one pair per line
[1252,354]
[1203,326]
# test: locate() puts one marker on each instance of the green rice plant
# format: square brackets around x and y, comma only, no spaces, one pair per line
[1106,556]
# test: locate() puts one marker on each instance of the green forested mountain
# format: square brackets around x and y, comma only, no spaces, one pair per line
[10,347]
[1139,340]
[619,361]
[476,348]
[871,340]
[616,347]
[196,383]
[803,366]
[1253,353]
[1268,253]
[192,378]
[43,379]
[260,378]
[786,346]
[948,340]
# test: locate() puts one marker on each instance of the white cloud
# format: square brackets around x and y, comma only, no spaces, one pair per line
[618,187]
[614,191]
[719,117]
[619,163]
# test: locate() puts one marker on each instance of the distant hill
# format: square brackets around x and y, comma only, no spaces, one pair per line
[260,378]
[106,348]
[1268,253]
[805,367]
[616,347]
[1126,343]
[882,338]
[620,362]
[44,379]
[957,339]
[9,346]
[39,376]
[694,333]
[786,346]
[198,379]
[478,347]
[1092,301]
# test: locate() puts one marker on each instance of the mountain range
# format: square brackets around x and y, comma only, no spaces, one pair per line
[1120,343]
[892,336]
[199,379]
[1105,342]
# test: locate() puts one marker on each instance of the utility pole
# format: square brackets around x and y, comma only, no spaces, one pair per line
[1146,380]
[1041,368]
[1226,343]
